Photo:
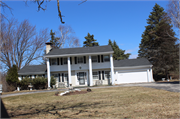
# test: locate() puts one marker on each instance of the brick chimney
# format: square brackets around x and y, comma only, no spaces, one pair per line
[48,47]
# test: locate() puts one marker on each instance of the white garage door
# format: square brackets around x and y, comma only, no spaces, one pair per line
[131,77]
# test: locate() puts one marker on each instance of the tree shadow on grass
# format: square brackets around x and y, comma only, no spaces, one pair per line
[4,113]
[52,109]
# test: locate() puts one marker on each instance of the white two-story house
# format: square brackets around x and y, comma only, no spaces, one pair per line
[88,66]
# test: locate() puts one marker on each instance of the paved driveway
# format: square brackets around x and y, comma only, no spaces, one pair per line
[169,86]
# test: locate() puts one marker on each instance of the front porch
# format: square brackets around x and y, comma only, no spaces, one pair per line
[81,78]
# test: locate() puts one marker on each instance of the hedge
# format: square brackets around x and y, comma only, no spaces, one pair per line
[38,83]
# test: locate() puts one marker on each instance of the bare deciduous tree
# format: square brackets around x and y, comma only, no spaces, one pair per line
[66,37]
[173,11]
[23,44]
[40,3]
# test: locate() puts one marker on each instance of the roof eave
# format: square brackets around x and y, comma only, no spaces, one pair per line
[48,56]
[141,66]
[30,73]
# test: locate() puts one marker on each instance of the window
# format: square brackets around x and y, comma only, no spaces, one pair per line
[107,74]
[54,61]
[66,77]
[65,60]
[94,59]
[95,75]
[40,75]
[80,60]
[56,76]
[106,58]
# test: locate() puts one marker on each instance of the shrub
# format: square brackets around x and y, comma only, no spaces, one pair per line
[39,82]
[56,93]
[25,82]
[53,81]
[12,76]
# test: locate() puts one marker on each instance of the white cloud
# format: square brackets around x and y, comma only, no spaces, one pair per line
[131,50]
[133,56]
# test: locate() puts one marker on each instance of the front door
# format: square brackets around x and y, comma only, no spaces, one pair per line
[81,78]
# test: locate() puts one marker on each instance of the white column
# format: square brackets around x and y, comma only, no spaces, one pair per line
[90,71]
[48,73]
[151,73]
[148,75]
[69,71]
[112,68]
[20,78]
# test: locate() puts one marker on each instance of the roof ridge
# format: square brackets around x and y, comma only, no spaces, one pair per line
[80,47]
[36,65]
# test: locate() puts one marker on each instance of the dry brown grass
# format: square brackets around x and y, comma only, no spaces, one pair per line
[120,102]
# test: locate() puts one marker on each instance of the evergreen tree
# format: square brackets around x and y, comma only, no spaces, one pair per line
[158,46]
[12,75]
[54,40]
[90,41]
[118,53]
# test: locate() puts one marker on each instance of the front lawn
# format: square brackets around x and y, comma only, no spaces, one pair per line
[118,102]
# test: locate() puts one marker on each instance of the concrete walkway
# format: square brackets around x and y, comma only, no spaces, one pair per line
[169,86]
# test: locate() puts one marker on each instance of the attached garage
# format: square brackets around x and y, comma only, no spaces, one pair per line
[133,71]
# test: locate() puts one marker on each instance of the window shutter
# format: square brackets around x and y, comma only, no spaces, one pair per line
[99,75]
[61,61]
[62,77]
[84,59]
[102,58]
[57,61]
[98,58]
[49,61]
[59,77]
[75,58]
[85,75]
[103,75]
[70,60]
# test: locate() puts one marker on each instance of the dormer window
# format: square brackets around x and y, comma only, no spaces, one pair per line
[94,59]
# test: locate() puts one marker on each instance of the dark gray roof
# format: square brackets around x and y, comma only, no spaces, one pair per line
[66,51]
[131,62]
[33,69]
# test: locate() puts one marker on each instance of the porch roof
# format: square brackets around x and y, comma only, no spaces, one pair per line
[33,69]
[80,51]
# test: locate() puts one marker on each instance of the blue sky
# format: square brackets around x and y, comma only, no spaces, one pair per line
[122,21]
